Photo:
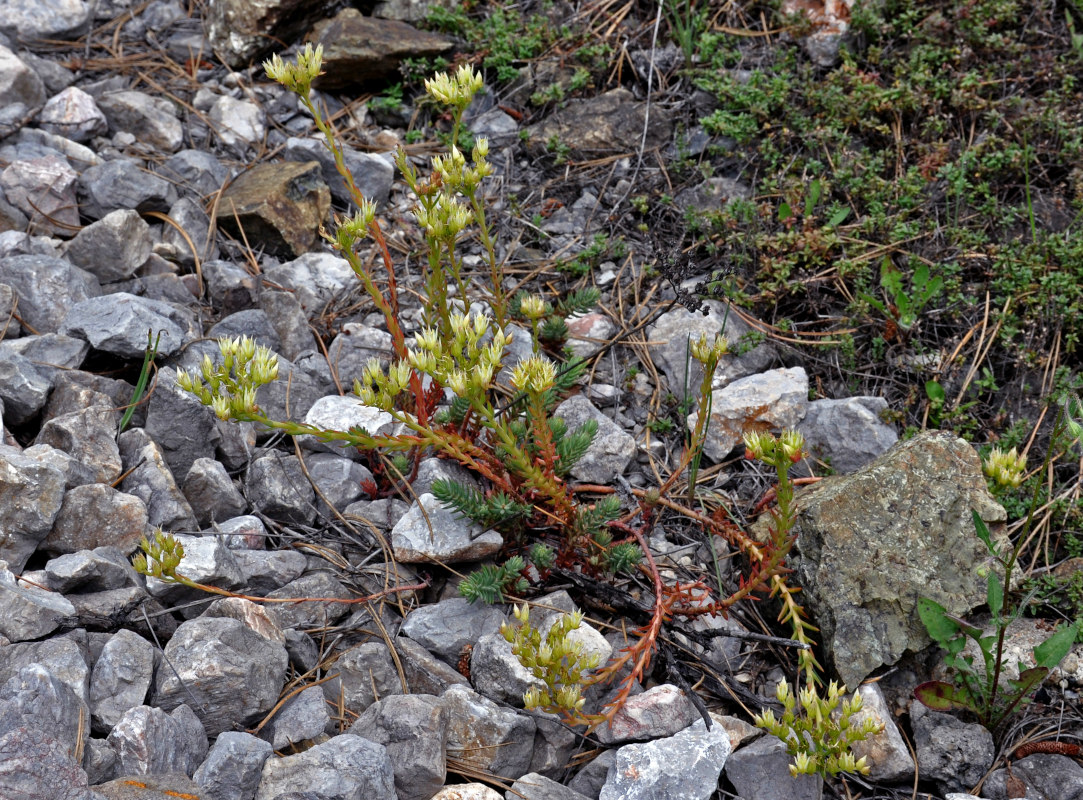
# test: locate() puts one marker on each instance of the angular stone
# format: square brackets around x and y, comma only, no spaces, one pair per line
[671,337]
[554,745]
[359,49]
[497,673]
[343,413]
[211,492]
[231,288]
[151,787]
[289,320]
[609,123]
[31,495]
[233,767]
[354,347]
[773,400]
[43,189]
[338,480]
[413,728]
[533,786]
[302,718]
[239,124]
[112,248]
[123,184]
[196,225]
[365,674]
[612,448]
[206,560]
[61,656]
[96,515]
[55,19]
[953,753]
[264,571]
[149,741]
[292,395]
[118,323]
[486,736]
[47,287]
[242,30]
[34,763]
[467,791]
[234,673]
[372,173]
[91,571]
[22,92]
[276,486]
[196,171]
[905,518]
[446,627]
[74,115]
[315,279]
[150,119]
[36,698]
[345,766]
[279,205]
[50,353]
[591,778]
[89,436]
[256,617]
[847,434]
[425,673]
[656,713]
[762,769]
[148,477]
[440,535]
[303,616]
[121,678]
[23,389]
[887,754]
[181,426]
[253,323]
[713,193]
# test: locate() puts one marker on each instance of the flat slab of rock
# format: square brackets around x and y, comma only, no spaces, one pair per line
[281,206]
[871,543]
[118,323]
[438,534]
[359,49]
[345,766]
[606,124]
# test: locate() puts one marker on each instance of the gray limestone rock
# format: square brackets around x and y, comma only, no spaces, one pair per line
[47,287]
[612,448]
[147,476]
[554,745]
[35,20]
[590,779]
[413,729]
[486,736]
[33,697]
[776,399]
[240,29]
[118,324]
[302,718]
[121,678]
[847,434]
[96,515]
[497,673]
[61,656]
[953,753]
[73,114]
[50,353]
[906,519]
[31,495]
[88,435]
[660,711]
[44,189]
[150,119]
[91,571]
[354,347]
[112,248]
[366,673]
[887,754]
[339,480]
[211,492]
[686,765]
[149,741]
[123,184]
[23,389]
[439,534]
[346,767]
[533,786]
[762,769]
[265,571]
[303,616]
[371,172]
[181,426]
[231,288]
[671,336]
[206,560]
[255,323]
[239,124]
[446,627]
[234,673]
[288,317]
[195,171]
[34,763]
[277,486]
[425,673]
[195,223]
[342,413]
[233,767]
[612,122]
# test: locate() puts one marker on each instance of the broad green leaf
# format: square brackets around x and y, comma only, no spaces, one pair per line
[891,278]
[941,696]
[838,218]
[934,617]
[1050,652]
[935,392]
[994,594]
[814,190]
[784,211]
[983,533]
[1028,680]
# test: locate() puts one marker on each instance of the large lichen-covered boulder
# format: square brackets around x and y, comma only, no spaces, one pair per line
[871,543]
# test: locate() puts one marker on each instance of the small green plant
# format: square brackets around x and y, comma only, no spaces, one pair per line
[904,306]
[687,23]
[390,100]
[557,660]
[559,149]
[979,688]
[818,740]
